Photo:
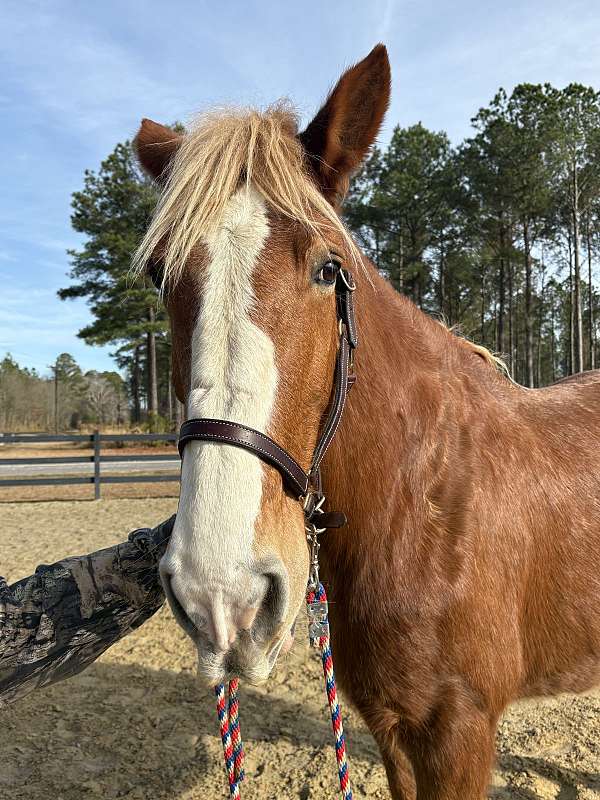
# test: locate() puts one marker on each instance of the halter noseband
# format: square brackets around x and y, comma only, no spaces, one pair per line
[306,486]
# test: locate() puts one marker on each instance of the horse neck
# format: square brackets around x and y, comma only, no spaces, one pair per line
[415,380]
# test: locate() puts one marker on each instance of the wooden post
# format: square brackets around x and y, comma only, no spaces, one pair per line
[96,439]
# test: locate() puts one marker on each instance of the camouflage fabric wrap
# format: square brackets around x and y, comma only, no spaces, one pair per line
[58,621]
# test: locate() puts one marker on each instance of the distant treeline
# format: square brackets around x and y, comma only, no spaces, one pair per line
[498,235]
[66,401]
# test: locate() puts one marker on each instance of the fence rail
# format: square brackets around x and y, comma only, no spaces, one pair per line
[95,441]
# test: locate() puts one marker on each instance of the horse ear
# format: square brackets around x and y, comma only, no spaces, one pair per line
[339,137]
[155,146]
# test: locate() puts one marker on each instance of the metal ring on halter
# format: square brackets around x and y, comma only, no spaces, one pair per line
[343,275]
[318,506]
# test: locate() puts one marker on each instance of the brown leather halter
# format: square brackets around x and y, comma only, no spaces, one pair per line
[306,486]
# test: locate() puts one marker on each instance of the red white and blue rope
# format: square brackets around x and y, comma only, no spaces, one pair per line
[337,724]
[235,731]
[229,722]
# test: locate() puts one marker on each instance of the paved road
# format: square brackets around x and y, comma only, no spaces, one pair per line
[33,470]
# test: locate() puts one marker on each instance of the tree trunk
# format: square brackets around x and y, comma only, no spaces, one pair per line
[442,281]
[482,307]
[170,401]
[135,385]
[528,309]
[511,326]
[179,414]
[401,263]
[420,282]
[571,310]
[56,397]
[577,288]
[152,376]
[501,295]
[592,337]
[553,340]
[539,326]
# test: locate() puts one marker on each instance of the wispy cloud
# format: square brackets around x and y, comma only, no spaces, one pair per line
[36,326]
[449,59]
[70,70]
[387,18]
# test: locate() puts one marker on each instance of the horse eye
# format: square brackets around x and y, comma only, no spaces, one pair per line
[327,273]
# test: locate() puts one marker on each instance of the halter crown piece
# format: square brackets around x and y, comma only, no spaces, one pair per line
[306,486]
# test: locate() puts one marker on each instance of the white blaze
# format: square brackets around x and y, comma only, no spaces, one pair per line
[233,377]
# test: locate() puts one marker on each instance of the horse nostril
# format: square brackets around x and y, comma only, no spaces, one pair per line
[274,605]
[275,594]
[178,610]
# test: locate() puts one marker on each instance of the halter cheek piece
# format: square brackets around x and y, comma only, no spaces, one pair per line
[306,486]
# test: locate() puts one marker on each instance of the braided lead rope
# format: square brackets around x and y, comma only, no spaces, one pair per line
[319,636]
[235,731]
[228,707]
[232,741]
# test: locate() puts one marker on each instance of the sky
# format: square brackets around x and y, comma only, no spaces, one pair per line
[77,77]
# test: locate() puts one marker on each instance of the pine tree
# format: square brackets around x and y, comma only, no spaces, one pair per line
[112,211]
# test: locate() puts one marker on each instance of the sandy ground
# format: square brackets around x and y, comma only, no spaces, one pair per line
[137,725]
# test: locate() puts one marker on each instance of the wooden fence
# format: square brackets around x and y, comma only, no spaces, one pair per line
[94,441]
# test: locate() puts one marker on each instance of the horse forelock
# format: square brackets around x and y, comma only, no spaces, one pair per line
[224,150]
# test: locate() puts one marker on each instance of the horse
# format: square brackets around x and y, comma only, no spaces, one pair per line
[468,574]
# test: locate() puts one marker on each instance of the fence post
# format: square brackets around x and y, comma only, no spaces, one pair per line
[96,438]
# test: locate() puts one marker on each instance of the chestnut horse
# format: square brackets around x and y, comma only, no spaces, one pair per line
[469,572]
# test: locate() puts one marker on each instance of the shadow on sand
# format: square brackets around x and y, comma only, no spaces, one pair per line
[126,731]
[121,730]
[567,780]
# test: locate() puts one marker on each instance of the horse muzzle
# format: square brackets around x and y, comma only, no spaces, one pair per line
[237,620]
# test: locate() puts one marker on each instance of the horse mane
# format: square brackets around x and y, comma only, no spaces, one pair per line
[222,151]
[491,359]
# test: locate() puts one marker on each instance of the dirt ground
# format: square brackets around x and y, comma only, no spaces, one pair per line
[137,725]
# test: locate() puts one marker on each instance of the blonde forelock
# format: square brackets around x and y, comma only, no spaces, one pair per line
[224,150]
